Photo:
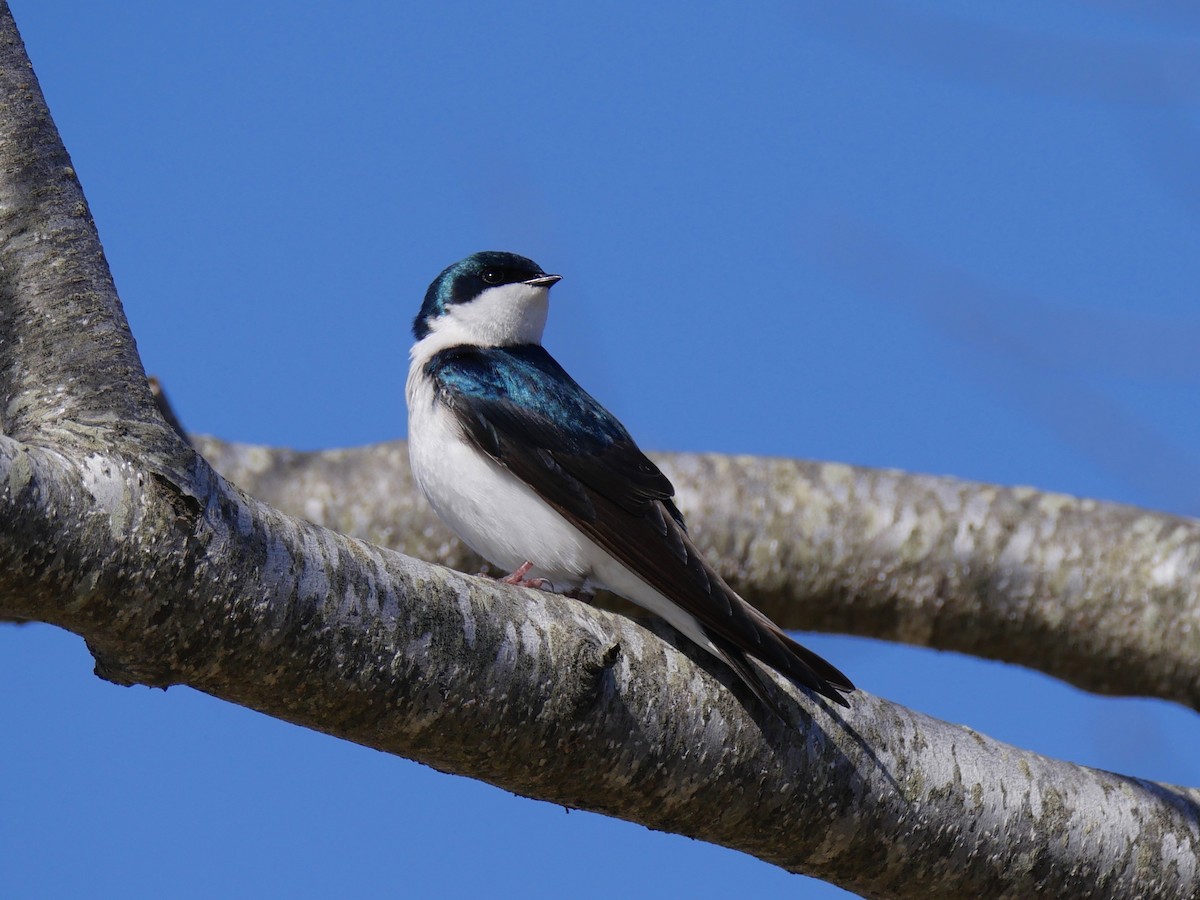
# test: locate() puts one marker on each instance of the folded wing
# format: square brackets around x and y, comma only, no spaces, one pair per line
[524,411]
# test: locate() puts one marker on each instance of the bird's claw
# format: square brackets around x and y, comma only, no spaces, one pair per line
[518,578]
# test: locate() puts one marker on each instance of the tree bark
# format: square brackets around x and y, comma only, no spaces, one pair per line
[113,527]
[1098,594]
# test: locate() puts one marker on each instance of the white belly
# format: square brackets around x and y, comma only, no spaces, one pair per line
[506,522]
[496,513]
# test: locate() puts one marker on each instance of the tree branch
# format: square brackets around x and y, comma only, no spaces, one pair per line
[548,697]
[1097,594]
[112,527]
[55,281]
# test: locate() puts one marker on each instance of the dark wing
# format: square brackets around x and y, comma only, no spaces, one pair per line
[521,408]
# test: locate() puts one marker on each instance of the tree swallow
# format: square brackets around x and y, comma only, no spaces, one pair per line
[541,480]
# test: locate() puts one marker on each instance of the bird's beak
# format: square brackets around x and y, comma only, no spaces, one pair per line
[544,280]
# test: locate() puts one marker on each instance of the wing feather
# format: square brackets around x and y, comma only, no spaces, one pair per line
[523,410]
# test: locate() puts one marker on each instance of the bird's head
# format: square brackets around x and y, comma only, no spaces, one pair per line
[489,299]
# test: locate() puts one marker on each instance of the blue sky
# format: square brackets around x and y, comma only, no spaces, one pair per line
[908,235]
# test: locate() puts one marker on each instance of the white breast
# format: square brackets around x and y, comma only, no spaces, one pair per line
[503,519]
[496,513]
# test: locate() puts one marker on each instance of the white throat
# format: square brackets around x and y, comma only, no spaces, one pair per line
[500,316]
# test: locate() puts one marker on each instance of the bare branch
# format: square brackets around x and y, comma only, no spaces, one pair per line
[548,697]
[112,527]
[1098,594]
[55,282]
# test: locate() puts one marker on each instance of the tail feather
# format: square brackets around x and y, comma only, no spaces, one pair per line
[791,659]
[740,631]
[794,659]
[751,677]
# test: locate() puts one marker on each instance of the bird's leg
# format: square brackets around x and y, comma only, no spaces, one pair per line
[518,578]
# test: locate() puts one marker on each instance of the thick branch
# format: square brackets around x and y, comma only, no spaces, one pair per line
[548,697]
[54,281]
[1101,595]
[112,527]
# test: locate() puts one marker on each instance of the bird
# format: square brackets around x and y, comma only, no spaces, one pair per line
[538,478]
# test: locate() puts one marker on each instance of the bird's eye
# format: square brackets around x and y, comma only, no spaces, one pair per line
[491,276]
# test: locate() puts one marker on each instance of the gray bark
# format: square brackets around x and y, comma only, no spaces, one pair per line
[113,527]
[1098,594]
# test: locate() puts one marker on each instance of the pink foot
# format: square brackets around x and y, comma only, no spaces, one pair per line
[518,578]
